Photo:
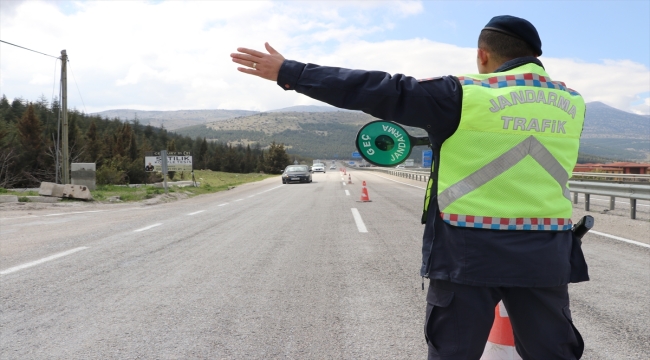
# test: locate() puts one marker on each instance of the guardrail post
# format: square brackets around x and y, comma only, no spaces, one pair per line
[575,197]
[612,202]
[632,208]
[586,202]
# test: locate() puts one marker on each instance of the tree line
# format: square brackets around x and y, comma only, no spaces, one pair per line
[28,150]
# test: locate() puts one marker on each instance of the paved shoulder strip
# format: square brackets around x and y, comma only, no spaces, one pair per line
[37,262]
[399,182]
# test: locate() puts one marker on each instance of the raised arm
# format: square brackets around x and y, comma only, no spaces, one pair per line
[431,105]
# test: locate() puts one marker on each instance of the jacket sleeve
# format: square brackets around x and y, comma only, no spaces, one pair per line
[433,104]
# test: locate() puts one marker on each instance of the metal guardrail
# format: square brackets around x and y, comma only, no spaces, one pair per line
[632,191]
[612,177]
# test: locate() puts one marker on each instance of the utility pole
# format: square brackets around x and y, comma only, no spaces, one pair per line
[65,167]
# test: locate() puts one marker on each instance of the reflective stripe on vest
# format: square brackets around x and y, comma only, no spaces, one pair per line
[507,165]
[498,166]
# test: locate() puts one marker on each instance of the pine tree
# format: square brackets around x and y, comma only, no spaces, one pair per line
[94,145]
[32,151]
[277,159]
[203,152]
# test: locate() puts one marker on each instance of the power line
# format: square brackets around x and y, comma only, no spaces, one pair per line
[38,52]
[75,82]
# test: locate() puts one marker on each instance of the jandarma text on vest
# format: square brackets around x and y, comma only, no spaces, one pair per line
[520,123]
[530,96]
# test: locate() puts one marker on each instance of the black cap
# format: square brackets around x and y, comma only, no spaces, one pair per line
[517,27]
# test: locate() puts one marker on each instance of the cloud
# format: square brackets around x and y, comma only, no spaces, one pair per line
[175,55]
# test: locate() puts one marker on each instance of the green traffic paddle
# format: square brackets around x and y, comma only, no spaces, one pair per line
[385,143]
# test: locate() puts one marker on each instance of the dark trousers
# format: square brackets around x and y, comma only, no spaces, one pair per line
[459,318]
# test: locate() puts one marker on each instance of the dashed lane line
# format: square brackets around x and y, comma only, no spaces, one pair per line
[619,238]
[224,204]
[344,183]
[37,262]
[196,212]
[239,199]
[148,227]
[347,193]
[359,221]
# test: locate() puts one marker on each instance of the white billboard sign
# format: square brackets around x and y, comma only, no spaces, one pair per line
[176,161]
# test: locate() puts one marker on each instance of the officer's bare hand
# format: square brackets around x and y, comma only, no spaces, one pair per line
[266,66]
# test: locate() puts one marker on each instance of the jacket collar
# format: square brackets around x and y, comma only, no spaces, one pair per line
[514,63]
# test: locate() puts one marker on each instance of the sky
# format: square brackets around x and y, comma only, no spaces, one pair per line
[173,55]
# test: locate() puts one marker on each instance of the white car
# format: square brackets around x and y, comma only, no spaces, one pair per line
[398,167]
[318,167]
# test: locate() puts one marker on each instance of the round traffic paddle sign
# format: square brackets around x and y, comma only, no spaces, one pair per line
[383,143]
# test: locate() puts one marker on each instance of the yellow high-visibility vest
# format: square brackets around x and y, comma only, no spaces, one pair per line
[508,164]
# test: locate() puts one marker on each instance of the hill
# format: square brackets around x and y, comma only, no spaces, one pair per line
[173,119]
[608,133]
[309,108]
[615,134]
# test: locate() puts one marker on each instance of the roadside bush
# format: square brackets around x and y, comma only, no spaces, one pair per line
[2,190]
[23,199]
[109,174]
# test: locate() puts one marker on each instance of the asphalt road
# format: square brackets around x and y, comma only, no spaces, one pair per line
[263,271]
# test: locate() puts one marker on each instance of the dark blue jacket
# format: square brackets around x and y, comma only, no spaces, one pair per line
[469,256]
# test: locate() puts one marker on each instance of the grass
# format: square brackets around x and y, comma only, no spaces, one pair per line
[211,182]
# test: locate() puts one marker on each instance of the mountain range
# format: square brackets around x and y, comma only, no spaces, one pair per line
[328,132]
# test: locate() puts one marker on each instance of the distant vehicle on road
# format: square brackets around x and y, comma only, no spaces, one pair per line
[299,173]
[400,167]
[333,167]
[318,167]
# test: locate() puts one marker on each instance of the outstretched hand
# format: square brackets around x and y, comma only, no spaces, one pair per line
[266,66]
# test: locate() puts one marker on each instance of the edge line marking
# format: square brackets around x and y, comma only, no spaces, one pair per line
[45,259]
[620,238]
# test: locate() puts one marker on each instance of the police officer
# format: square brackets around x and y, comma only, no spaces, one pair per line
[497,209]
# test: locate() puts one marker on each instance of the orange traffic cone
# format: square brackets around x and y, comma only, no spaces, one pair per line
[349,179]
[364,194]
[501,342]
[343,171]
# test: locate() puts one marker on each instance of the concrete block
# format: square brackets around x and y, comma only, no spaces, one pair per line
[82,166]
[8,198]
[76,192]
[83,174]
[50,189]
[43,199]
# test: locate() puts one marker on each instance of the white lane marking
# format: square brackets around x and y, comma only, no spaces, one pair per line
[75,212]
[239,199]
[419,187]
[269,189]
[248,197]
[619,238]
[33,263]
[347,193]
[148,227]
[224,204]
[621,202]
[357,219]
[344,183]
[196,212]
